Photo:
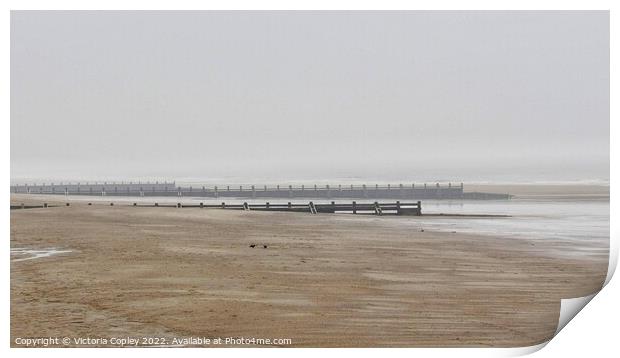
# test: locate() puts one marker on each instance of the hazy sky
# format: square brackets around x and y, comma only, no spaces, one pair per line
[304,95]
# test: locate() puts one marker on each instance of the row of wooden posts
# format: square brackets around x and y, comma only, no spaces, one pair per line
[398,208]
[217,191]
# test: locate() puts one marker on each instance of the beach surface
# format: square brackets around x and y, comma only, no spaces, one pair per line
[331,280]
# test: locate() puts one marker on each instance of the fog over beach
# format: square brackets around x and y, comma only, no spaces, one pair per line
[338,179]
[419,96]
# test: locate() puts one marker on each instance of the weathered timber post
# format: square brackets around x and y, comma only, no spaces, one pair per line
[267,205]
[289,205]
[45,205]
[397,207]
[312,208]
[419,208]
[178,205]
[378,210]
[354,207]
[333,207]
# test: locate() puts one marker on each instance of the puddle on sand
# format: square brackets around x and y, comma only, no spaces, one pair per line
[30,254]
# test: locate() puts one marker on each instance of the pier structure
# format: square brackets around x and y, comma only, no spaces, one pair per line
[326,191]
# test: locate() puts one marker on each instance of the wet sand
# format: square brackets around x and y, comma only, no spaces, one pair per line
[323,280]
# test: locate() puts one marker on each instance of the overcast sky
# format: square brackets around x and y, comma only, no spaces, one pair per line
[310,95]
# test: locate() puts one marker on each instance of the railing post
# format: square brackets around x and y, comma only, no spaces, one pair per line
[419,208]
[354,207]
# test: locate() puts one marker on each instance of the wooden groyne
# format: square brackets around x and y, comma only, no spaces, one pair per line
[377,208]
[398,192]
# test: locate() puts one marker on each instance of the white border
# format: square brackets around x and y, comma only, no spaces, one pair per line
[593,330]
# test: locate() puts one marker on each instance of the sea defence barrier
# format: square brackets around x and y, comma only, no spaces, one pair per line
[376,191]
[376,208]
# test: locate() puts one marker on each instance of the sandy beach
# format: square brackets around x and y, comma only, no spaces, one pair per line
[322,280]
